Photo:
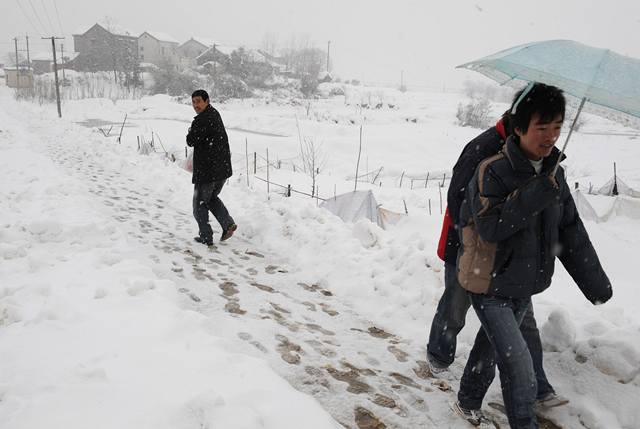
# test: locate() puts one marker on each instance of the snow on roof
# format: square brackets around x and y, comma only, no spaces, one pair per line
[223,49]
[162,37]
[207,41]
[112,28]
[42,56]
[226,49]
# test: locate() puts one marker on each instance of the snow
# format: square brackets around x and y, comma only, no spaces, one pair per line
[207,41]
[112,27]
[162,37]
[99,325]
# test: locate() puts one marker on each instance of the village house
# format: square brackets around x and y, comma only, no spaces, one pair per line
[99,49]
[18,77]
[219,55]
[191,49]
[158,48]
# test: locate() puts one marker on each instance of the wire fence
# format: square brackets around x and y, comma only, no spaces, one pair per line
[256,165]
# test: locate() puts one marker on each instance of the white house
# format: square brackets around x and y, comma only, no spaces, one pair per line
[158,48]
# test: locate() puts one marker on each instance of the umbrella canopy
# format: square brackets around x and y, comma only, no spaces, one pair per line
[600,76]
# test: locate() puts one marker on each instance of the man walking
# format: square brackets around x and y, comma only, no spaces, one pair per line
[454,303]
[517,217]
[211,168]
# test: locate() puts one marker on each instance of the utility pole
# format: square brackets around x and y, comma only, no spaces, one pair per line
[214,70]
[64,79]
[55,70]
[15,40]
[328,48]
[28,57]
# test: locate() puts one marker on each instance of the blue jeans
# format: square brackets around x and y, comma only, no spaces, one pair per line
[205,199]
[449,321]
[501,342]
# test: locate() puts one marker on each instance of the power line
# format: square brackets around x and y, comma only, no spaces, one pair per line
[26,16]
[46,13]
[55,4]
[37,16]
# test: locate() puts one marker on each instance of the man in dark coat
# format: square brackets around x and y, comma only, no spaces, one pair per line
[454,303]
[211,168]
[517,217]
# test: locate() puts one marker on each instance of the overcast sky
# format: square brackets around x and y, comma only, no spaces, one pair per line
[371,40]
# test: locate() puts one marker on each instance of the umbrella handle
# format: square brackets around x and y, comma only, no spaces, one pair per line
[573,124]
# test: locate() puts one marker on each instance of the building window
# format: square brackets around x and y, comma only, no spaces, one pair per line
[141,48]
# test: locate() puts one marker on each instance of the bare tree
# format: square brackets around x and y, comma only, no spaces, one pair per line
[313,159]
[270,43]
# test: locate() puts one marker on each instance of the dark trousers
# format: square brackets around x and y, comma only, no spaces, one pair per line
[449,321]
[205,200]
[501,342]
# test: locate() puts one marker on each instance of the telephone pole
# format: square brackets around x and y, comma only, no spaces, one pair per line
[64,79]
[15,41]
[214,70]
[28,57]
[55,70]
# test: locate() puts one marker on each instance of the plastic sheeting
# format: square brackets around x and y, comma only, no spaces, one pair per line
[353,206]
[623,188]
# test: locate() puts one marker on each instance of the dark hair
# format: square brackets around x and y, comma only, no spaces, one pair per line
[507,122]
[200,93]
[545,100]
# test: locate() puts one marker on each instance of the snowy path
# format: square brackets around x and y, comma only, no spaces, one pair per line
[363,376]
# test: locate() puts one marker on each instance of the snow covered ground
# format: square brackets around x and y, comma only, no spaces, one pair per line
[111,317]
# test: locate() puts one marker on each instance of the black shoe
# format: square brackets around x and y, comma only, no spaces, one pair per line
[229,232]
[208,242]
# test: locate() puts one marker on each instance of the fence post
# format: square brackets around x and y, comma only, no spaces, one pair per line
[401,177]
[288,190]
[440,192]
[355,185]
[426,180]
[267,172]
[121,128]
[405,206]
[255,162]
[246,151]
[429,206]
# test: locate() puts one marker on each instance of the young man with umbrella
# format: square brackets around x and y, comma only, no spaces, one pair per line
[515,220]
[454,302]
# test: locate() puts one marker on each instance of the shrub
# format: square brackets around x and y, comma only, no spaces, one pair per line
[229,86]
[475,113]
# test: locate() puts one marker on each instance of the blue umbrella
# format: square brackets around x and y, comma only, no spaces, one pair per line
[602,77]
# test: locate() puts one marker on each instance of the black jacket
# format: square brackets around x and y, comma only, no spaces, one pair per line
[527,221]
[211,155]
[483,146]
